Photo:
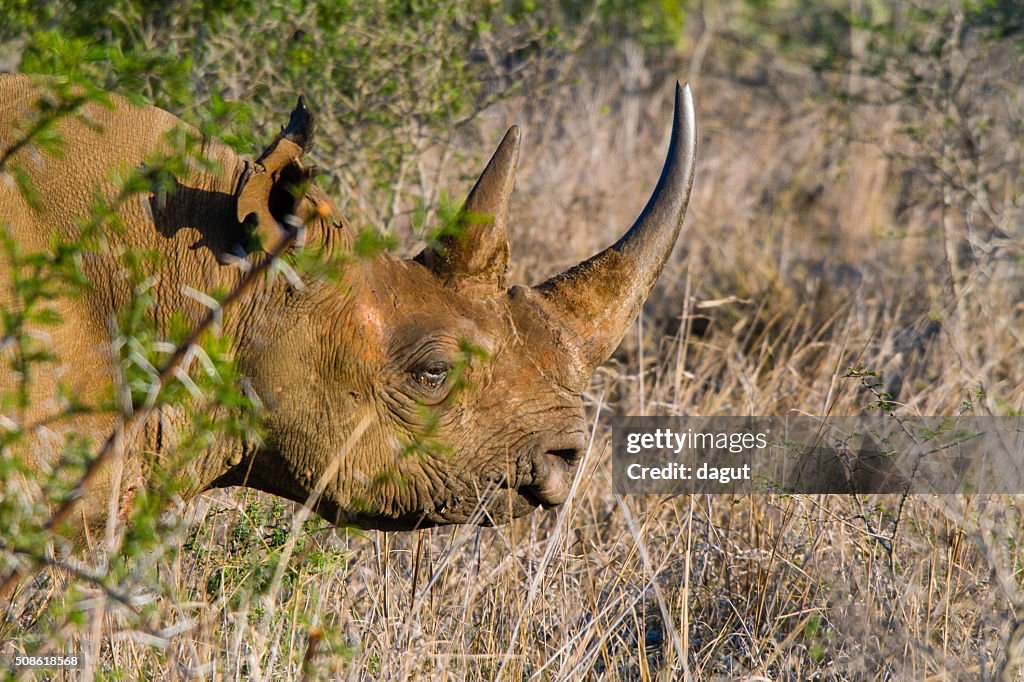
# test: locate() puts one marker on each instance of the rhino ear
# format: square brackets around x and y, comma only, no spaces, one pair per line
[266,193]
[477,251]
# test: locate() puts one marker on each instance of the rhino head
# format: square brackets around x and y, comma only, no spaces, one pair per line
[429,391]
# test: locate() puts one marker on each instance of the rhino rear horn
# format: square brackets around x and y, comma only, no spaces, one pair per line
[598,299]
[267,192]
[476,251]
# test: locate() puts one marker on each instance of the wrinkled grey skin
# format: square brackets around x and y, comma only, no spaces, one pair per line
[350,373]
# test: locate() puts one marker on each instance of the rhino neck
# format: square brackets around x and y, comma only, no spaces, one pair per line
[194,227]
[190,229]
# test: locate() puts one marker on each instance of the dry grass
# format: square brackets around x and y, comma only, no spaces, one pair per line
[804,256]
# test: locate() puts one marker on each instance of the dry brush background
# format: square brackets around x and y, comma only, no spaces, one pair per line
[881,232]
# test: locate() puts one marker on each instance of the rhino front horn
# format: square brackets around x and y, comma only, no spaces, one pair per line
[598,299]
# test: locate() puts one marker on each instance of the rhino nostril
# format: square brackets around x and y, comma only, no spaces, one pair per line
[570,455]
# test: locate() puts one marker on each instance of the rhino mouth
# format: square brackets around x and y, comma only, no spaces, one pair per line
[544,480]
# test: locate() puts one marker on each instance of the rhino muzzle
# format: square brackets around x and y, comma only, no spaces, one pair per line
[550,477]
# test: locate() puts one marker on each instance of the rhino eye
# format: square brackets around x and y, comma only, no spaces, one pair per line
[432,376]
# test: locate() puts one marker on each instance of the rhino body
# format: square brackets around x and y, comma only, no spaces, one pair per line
[349,372]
